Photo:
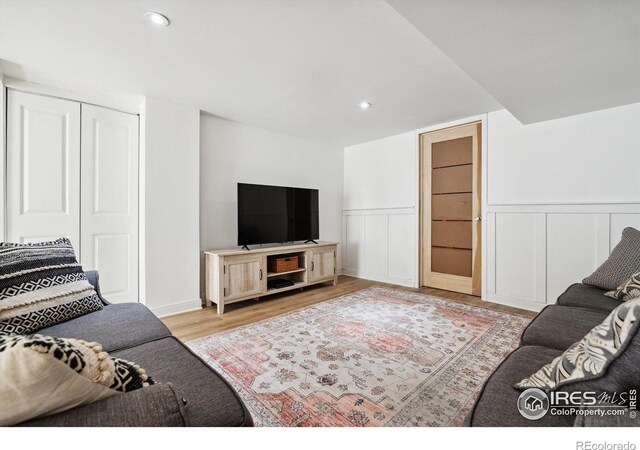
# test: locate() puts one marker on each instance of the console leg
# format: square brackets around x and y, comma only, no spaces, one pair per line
[221,308]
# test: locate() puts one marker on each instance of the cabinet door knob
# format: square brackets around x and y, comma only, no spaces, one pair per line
[260,274]
[477,218]
[313,266]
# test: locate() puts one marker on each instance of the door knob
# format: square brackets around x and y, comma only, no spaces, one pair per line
[477,218]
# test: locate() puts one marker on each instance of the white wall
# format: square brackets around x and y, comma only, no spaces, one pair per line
[381,174]
[559,194]
[571,160]
[170,204]
[556,196]
[233,153]
[379,217]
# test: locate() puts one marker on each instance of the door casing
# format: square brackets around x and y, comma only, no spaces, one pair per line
[468,285]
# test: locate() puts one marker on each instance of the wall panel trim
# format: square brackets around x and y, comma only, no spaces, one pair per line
[600,238]
[359,245]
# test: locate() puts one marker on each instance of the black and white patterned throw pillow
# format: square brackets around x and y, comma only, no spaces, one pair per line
[628,290]
[43,375]
[41,285]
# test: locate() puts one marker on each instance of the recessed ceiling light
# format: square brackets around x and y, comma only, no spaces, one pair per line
[365,105]
[157,18]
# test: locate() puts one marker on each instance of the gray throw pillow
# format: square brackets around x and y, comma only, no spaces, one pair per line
[623,262]
[606,359]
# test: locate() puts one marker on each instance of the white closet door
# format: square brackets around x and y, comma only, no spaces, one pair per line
[110,200]
[43,168]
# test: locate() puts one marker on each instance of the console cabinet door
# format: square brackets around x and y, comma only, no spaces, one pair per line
[323,263]
[244,276]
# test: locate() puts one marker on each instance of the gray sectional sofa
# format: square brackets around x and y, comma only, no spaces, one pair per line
[187,391]
[579,309]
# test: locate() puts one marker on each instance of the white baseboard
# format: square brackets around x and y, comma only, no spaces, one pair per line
[381,278]
[514,302]
[176,308]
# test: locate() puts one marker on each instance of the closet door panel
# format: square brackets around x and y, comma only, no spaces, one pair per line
[43,168]
[110,200]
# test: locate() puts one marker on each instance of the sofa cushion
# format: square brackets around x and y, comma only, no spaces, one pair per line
[628,419]
[155,406]
[210,400]
[588,361]
[497,404]
[559,327]
[115,326]
[623,261]
[584,296]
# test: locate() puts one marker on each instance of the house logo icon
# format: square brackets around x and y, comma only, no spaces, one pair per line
[533,404]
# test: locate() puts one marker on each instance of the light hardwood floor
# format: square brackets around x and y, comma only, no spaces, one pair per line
[196,324]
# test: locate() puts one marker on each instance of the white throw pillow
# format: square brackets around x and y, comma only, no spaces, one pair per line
[42,375]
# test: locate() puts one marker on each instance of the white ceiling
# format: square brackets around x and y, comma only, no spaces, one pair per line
[541,59]
[297,67]
[301,67]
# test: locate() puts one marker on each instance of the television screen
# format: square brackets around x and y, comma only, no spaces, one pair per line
[269,214]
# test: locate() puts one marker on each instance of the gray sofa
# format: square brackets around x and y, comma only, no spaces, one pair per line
[187,391]
[556,328]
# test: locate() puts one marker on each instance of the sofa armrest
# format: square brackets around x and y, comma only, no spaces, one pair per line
[155,406]
[94,278]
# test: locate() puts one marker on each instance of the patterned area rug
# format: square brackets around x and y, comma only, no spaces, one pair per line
[377,357]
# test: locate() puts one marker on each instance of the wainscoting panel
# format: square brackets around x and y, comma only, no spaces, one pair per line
[380,244]
[402,246]
[574,249]
[377,244]
[534,252]
[353,255]
[619,222]
[516,256]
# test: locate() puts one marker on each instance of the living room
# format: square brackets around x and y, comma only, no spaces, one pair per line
[321,214]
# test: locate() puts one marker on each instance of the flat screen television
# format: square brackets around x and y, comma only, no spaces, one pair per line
[269,214]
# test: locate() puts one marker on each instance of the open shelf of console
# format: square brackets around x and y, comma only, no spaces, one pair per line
[296,285]
[276,274]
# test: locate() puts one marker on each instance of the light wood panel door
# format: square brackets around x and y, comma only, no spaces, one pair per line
[322,264]
[109,204]
[43,168]
[244,276]
[450,215]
